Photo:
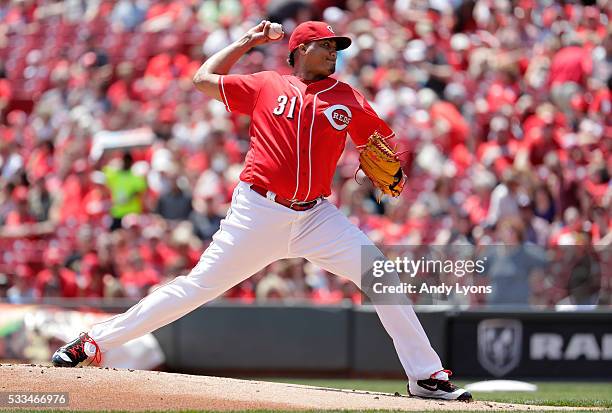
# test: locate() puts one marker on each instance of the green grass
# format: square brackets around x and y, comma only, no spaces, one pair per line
[576,394]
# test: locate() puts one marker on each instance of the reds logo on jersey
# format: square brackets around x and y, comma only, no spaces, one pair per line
[339,116]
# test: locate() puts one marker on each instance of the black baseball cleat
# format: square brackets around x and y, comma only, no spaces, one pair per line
[438,389]
[77,351]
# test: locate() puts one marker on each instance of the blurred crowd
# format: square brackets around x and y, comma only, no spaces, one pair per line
[502,111]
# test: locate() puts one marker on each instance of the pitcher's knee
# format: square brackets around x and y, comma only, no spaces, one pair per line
[208,283]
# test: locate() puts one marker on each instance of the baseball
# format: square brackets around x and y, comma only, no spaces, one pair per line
[275,31]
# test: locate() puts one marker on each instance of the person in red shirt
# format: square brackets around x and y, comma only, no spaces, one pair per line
[74,189]
[41,162]
[55,280]
[456,127]
[299,125]
[501,147]
[125,88]
[569,70]
[93,279]
[6,92]
[138,277]
[21,215]
[539,142]
[571,64]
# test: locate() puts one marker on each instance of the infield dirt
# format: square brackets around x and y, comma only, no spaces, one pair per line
[95,388]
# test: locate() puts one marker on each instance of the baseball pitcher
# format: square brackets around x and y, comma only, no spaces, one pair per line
[299,125]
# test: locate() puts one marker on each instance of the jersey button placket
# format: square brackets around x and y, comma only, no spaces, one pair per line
[304,142]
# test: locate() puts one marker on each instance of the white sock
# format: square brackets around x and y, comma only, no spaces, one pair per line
[441,375]
[90,349]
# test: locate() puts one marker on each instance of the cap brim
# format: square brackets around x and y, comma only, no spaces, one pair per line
[341,42]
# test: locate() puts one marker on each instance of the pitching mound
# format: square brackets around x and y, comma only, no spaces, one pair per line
[93,388]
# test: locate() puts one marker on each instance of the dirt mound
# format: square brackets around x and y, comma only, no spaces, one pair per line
[94,388]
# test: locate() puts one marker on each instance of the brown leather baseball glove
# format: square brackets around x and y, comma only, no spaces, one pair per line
[381,164]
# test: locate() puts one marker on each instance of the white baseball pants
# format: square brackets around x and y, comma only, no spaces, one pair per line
[255,233]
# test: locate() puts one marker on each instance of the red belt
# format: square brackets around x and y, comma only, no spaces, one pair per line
[296,206]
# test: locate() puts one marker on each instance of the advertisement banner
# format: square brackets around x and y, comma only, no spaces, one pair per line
[531,345]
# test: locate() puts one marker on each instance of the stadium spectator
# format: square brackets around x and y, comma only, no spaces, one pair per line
[4,286]
[11,161]
[84,249]
[126,188]
[6,92]
[137,277]
[584,281]
[544,206]
[74,189]
[511,264]
[55,280]
[155,250]
[186,249]
[128,14]
[21,215]
[22,289]
[504,198]
[205,216]
[92,279]
[175,203]
[536,229]
[569,70]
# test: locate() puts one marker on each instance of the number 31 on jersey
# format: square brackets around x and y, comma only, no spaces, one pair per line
[282,103]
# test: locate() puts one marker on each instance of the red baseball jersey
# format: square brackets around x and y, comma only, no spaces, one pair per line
[298,129]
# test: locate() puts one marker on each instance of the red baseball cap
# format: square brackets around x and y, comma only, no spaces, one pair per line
[312,30]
